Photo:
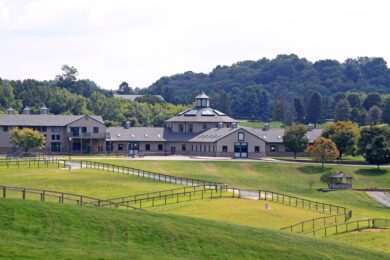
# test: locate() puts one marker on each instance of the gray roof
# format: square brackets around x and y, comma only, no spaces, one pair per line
[133,97]
[202,95]
[340,175]
[205,114]
[275,135]
[42,120]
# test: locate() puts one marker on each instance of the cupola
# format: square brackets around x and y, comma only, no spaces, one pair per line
[202,100]
[26,111]
[44,110]
[10,111]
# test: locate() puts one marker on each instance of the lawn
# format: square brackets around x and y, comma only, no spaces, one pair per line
[258,124]
[242,211]
[37,230]
[95,183]
[374,238]
[289,178]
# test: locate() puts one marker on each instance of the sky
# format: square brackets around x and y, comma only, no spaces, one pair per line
[140,41]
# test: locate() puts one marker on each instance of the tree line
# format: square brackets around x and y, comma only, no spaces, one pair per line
[340,138]
[68,95]
[268,88]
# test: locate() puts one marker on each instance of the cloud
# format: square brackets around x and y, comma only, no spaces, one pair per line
[140,41]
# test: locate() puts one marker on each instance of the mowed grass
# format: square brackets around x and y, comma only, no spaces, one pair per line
[288,178]
[258,124]
[378,239]
[241,211]
[94,183]
[36,230]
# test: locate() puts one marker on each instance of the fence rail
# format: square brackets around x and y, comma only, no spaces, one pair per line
[57,196]
[148,174]
[349,227]
[42,162]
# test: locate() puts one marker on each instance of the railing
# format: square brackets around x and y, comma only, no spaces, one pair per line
[86,135]
[148,174]
[57,196]
[43,162]
[349,227]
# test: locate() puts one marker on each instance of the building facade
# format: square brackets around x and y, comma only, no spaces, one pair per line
[200,131]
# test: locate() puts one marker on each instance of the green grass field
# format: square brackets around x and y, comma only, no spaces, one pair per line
[99,184]
[378,239]
[289,178]
[258,124]
[36,230]
[241,211]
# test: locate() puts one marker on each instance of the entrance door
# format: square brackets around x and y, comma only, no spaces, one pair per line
[133,148]
[173,150]
[241,150]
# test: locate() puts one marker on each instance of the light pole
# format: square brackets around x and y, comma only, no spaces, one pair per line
[70,147]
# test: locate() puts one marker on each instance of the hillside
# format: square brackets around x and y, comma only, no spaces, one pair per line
[285,77]
[47,231]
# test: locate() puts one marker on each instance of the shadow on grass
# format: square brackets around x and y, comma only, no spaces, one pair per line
[371,172]
[313,169]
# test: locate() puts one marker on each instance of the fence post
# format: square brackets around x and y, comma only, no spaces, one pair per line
[24,194]
[4,192]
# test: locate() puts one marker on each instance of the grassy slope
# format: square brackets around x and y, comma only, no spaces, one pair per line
[52,231]
[257,124]
[99,184]
[241,211]
[378,239]
[286,178]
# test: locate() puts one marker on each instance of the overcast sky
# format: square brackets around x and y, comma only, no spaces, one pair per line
[141,41]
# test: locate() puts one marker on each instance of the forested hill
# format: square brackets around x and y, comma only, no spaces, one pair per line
[247,83]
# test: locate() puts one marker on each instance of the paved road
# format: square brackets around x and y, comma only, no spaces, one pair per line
[381,197]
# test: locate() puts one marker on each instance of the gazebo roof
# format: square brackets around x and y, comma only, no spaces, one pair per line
[341,175]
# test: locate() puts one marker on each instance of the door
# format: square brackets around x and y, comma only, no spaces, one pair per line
[133,148]
[241,150]
[173,150]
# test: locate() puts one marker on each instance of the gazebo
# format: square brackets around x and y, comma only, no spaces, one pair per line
[340,181]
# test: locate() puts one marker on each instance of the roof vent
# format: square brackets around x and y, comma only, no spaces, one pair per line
[310,127]
[44,110]
[132,135]
[266,127]
[127,125]
[146,136]
[158,135]
[220,125]
[10,111]
[26,111]
[234,125]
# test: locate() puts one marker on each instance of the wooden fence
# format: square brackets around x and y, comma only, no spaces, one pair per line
[57,196]
[349,227]
[33,162]
[148,174]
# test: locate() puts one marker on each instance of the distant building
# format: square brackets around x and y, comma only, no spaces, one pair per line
[133,97]
[200,131]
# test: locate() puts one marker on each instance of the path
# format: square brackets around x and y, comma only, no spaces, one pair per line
[381,197]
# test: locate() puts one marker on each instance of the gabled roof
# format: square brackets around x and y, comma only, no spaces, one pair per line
[200,115]
[340,175]
[42,120]
[275,135]
[202,95]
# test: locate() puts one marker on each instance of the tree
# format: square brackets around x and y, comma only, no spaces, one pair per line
[386,111]
[314,108]
[310,182]
[368,133]
[342,110]
[344,134]
[69,73]
[124,89]
[278,110]
[378,151]
[323,149]
[299,110]
[27,139]
[354,100]
[222,102]
[372,99]
[264,106]
[294,139]
[374,115]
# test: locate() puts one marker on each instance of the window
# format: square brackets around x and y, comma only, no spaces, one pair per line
[160,147]
[192,147]
[55,129]
[225,149]
[55,147]
[241,136]
[120,147]
[55,137]
[204,126]
[190,128]
[83,130]
[181,128]
[257,149]
[5,128]
[183,147]
[147,147]
[95,130]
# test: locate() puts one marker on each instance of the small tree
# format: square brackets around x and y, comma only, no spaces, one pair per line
[342,111]
[310,182]
[294,139]
[27,139]
[344,134]
[378,151]
[323,149]
[374,115]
